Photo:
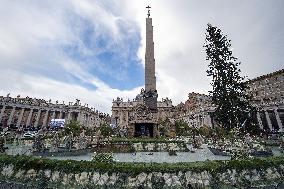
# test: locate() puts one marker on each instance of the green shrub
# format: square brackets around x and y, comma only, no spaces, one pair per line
[182,128]
[72,166]
[73,127]
[106,130]
[103,158]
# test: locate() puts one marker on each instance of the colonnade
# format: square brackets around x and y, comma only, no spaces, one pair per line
[271,119]
[38,117]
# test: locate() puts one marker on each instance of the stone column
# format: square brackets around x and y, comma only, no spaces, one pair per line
[37,118]
[82,118]
[79,117]
[87,120]
[20,117]
[278,120]
[121,121]
[207,120]
[45,119]
[259,120]
[53,115]
[1,113]
[29,117]
[90,120]
[60,115]
[203,119]
[127,119]
[268,120]
[131,130]
[211,121]
[11,116]
[68,117]
[155,131]
[196,120]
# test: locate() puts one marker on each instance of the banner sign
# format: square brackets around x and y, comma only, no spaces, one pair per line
[57,123]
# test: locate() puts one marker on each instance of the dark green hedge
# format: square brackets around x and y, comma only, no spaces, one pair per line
[68,166]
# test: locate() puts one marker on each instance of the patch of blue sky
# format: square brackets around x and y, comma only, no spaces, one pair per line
[72,79]
[54,71]
[114,62]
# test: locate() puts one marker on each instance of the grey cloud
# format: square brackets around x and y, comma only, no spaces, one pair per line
[255,28]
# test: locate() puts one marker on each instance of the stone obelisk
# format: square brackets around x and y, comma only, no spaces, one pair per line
[151,94]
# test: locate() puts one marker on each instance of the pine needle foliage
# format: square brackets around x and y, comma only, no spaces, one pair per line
[229,90]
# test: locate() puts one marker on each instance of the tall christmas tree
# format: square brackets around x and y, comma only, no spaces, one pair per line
[228,94]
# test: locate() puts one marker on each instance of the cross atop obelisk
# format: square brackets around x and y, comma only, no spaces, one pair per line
[148,7]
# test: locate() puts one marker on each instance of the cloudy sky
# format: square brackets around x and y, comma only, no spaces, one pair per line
[93,50]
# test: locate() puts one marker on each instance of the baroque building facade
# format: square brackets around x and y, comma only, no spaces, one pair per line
[37,113]
[196,110]
[267,96]
[130,115]
[267,93]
